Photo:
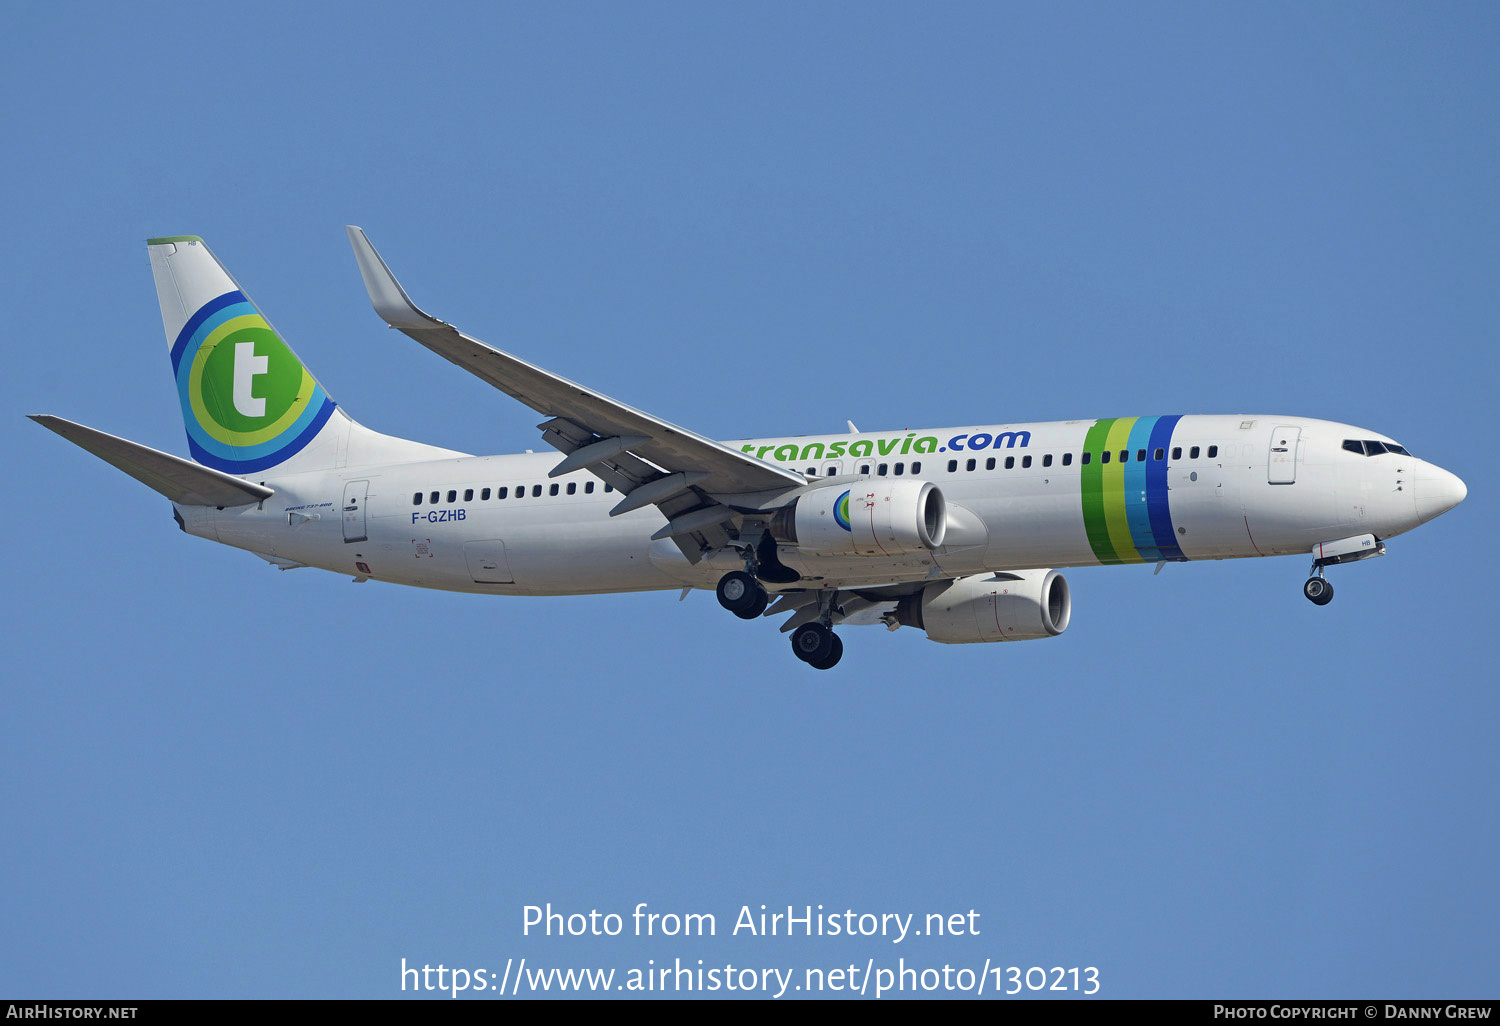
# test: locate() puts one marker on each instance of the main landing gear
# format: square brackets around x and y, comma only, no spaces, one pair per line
[741,592]
[817,646]
[814,643]
[1318,589]
[742,595]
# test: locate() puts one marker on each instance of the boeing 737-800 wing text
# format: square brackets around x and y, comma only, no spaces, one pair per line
[941,529]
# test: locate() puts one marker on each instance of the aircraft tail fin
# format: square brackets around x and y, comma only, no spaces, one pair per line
[248,403]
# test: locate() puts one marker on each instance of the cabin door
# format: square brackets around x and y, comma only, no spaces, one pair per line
[354,511]
[1281,464]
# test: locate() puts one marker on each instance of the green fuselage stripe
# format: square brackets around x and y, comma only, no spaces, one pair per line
[1092,476]
[1115,516]
[1106,506]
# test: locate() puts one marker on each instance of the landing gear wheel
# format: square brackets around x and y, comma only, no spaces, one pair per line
[762,600]
[834,655]
[742,595]
[1318,591]
[812,642]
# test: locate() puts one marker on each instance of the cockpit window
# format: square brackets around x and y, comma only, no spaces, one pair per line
[1370,447]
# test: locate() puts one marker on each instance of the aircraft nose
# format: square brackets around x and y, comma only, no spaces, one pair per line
[1437,491]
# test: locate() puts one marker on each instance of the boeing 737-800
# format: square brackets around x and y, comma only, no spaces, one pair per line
[941,529]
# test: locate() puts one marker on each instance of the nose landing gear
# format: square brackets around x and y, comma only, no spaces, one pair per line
[1318,589]
[1345,550]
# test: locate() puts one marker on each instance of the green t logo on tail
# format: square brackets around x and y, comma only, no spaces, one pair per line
[247,400]
[246,366]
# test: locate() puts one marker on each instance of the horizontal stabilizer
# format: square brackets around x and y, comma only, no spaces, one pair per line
[178,479]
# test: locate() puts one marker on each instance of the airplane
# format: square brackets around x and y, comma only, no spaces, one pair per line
[954,531]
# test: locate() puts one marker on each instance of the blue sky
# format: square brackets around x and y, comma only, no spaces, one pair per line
[222,780]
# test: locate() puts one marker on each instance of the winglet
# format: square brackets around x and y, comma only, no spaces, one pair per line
[386,294]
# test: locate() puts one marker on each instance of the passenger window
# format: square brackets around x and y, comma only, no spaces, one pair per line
[970,464]
[900,469]
[609,488]
[1104,456]
[1124,455]
[468,495]
[552,490]
[1088,456]
[832,472]
[501,492]
[1010,463]
[916,468]
[952,466]
[1025,462]
[434,498]
[520,491]
[484,495]
[588,488]
[882,469]
[1047,460]
[1067,459]
[572,487]
[416,500]
[536,491]
[989,464]
[1193,453]
[1159,455]
[1140,455]
[452,495]
[1177,452]
[812,471]
[1213,451]
[864,468]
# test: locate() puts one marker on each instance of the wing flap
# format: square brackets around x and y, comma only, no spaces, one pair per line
[178,479]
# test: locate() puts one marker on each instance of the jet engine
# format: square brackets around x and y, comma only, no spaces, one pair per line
[873,517]
[1018,605]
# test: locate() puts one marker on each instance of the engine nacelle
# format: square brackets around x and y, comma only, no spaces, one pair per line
[1019,605]
[874,517]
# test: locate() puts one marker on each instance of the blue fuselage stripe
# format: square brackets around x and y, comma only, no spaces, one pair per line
[1137,501]
[1157,491]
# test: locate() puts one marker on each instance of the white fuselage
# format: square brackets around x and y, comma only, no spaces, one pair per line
[442,523]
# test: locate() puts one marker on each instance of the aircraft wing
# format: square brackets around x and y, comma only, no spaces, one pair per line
[649,460]
[178,479]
